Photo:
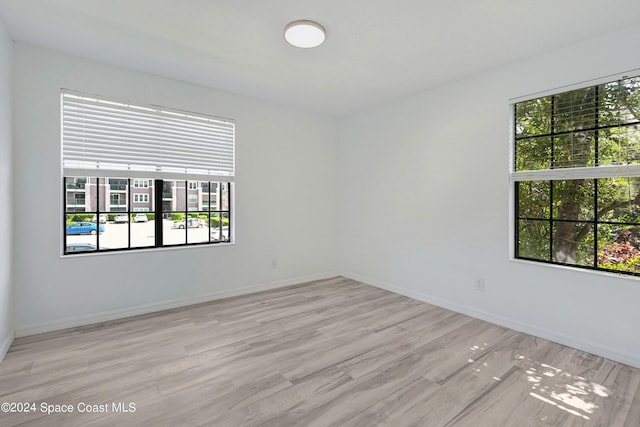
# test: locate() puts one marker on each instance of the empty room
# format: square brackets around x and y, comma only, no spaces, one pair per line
[319,213]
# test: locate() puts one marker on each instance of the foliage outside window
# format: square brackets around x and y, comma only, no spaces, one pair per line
[577,177]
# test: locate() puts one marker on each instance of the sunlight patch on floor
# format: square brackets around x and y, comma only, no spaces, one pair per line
[570,393]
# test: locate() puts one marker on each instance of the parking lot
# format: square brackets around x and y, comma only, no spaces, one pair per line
[115,236]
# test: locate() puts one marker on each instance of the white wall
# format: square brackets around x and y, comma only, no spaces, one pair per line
[425,205]
[6,285]
[285,197]
[407,220]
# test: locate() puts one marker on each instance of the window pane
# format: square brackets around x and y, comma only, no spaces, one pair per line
[174,229]
[209,195]
[618,102]
[100,193]
[573,243]
[219,227]
[142,217]
[533,199]
[573,150]
[533,239]
[533,153]
[116,218]
[619,199]
[226,227]
[224,196]
[170,197]
[81,232]
[194,196]
[143,230]
[533,117]
[619,146]
[116,234]
[198,227]
[573,199]
[575,110]
[619,247]
[80,194]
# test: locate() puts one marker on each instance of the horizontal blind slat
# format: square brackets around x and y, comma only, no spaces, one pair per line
[102,134]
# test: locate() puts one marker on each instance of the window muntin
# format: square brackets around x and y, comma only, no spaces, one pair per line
[576,177]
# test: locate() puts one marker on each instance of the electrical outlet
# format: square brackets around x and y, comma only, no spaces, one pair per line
[479,281]
[274,262]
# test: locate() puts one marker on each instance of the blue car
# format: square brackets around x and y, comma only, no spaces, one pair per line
[84,228]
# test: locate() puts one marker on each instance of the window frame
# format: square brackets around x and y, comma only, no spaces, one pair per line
[158,212]
[594,173]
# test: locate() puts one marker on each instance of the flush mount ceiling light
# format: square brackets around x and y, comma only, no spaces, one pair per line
[304,34]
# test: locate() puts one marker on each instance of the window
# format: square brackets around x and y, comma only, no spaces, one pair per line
[77,184]
[577,177]
[117,200]
[140,198]
[174,159]
[75,201]
[117,184]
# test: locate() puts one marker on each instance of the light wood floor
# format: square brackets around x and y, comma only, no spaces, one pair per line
[328,353]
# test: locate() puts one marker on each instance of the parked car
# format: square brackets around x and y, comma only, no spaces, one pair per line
[84,228]
[120,218]
[191,223]
[140,218]
[103,218]
[80,247]
[215,233]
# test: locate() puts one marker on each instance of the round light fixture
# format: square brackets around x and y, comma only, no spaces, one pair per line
[304,34]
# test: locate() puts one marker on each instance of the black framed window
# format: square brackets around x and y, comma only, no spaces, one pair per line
[143,176]
[576,177]
[103,225]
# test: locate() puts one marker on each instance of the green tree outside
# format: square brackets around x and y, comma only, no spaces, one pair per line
[595,126]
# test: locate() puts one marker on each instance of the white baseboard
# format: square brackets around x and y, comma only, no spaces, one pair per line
[6,343]
[74,321]
[594,348]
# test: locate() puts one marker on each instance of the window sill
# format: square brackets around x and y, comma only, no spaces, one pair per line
[129,252]
[610,274]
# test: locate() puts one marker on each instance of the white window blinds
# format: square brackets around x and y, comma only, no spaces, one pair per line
[114,139]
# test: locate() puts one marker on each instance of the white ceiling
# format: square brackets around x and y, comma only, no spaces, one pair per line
[376,50]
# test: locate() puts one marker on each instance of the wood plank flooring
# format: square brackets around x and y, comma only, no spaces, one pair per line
[328,353]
